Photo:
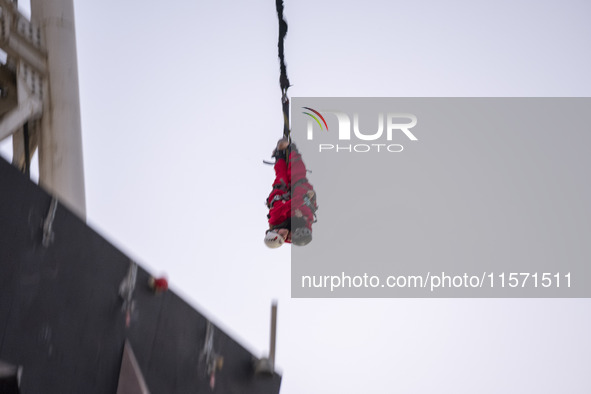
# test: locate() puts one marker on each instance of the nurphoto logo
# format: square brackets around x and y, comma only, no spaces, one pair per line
[392,123]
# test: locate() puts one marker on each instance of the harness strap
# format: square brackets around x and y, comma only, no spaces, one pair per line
[279,197]
[282,186]
[299,182]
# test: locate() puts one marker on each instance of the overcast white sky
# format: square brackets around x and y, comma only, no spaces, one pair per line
[180,103]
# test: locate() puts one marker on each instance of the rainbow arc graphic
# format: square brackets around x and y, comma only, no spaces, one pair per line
[315,118]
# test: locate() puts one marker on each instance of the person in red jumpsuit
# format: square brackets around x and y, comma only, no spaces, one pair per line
[292,202]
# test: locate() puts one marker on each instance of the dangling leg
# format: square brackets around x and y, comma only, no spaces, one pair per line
[282,176]
[282,180]
[296,169]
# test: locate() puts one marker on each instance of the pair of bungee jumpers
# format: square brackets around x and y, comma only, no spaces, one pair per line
[292,203]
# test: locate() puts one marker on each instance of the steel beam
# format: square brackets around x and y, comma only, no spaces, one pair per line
[61,169]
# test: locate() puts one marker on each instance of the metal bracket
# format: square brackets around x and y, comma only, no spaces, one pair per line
[10,377]
[30,107]
[126,292]
[213,361]
[48,224]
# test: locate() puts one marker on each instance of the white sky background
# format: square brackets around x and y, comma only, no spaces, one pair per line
[180,103]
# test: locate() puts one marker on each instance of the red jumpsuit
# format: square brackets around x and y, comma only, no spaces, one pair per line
[290,192]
